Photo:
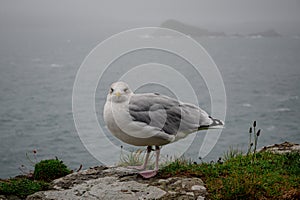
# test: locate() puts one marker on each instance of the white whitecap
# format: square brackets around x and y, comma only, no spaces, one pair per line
[288,98]
[248,105]
[56,65]
[282,110]
[271,128]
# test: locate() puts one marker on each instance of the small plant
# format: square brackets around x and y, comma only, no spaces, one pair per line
[256,134]
[21,187]
[250,143]
[232,153]
[48,170]
[132,158]
[137,158]
[28,171]
[32,160]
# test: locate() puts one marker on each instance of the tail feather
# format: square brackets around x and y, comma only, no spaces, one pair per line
[216,123]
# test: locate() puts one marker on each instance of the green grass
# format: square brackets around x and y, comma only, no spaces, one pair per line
[269,176]
[44,172]
[21,187]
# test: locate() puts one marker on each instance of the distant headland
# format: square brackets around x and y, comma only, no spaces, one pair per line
[202,32]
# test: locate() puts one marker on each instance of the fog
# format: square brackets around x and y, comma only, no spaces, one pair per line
[229,16]
[44,42]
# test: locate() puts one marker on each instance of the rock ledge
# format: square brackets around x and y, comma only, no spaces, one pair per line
[285,147]
[120,183]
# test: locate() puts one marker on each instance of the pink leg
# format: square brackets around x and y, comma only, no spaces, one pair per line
[143,166]
[152,173]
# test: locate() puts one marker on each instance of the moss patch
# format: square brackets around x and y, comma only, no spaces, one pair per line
[48,170]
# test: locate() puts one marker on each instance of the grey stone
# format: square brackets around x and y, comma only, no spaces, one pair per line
[190,193]
[9,197]
[198,187]
[285,147]
[102,188]
[119,183]
[201,198]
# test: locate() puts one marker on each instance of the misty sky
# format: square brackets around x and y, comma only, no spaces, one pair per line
[229,15]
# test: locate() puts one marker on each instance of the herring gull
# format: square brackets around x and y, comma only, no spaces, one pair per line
[151,119]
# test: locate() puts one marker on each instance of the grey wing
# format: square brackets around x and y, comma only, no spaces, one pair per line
[167,114]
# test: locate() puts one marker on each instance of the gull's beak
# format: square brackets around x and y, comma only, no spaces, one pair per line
[118,94]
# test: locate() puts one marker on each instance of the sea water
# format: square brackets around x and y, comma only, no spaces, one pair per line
[261,78]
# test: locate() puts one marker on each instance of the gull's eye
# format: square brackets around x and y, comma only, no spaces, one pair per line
[126,90]
[111,90]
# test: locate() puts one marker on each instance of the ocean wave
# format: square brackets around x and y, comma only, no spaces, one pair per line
[36,60]
[282,110]
[56,65]
[271,128]
[288,98]
[248,105]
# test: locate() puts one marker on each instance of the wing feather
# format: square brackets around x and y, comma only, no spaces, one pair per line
[167,114]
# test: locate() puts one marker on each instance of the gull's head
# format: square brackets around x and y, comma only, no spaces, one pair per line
[119,92]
